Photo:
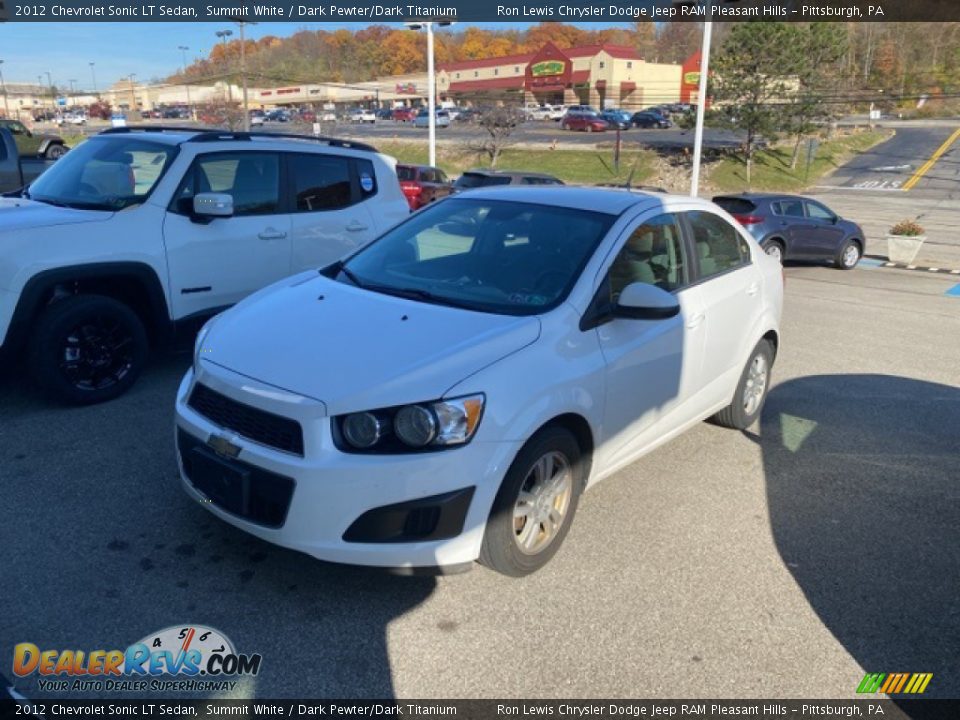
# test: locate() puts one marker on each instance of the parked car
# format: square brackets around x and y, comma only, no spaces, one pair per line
[583,120]
[485,177]
[307,116]
[618,119]
[404,114]
[17,172]
[646,119]
[72,118]
[582,108]
[278,115]
[464,378]
[422,119]
[533,111]
[31,144]
[362,115]
[257,117]
[422,184]
[384,114]
[468,115]
[789,227]
[328,116]
[138,232]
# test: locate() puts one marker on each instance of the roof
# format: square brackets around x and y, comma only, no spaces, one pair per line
[174,135]
[611,201]
[617,51]
[495,171]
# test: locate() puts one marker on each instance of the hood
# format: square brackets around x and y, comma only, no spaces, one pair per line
[355,349]
[23,214]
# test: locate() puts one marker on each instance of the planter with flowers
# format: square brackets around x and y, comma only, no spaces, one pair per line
[904,241]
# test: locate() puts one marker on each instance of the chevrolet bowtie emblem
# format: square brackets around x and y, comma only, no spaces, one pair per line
[223,447]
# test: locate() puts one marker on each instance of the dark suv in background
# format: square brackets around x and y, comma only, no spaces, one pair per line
[790,227]
[486,178]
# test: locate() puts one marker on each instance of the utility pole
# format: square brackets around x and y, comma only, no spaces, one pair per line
[183,52]
[243,76]
[72,92]
[3,87]
[53,93]
[93,74]
[133,94]
[223,35]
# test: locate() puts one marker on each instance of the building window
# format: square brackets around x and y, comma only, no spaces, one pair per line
[629,64]
[602,64]
[516,69]
[496,71]
[458,76]
[476,74]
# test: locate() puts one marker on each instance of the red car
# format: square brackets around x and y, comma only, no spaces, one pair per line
[580,120]
[422,184]
[404,114]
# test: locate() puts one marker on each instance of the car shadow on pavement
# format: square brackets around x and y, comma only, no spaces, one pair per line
[104,548]
[862,479]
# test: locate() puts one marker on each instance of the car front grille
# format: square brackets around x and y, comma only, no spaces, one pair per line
[252,423]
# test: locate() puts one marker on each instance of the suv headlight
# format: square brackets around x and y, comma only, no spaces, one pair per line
[410,428]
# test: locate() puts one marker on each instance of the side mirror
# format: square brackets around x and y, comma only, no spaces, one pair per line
[213,205]
[642,301]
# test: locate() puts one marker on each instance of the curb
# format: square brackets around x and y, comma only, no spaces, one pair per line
[879,261]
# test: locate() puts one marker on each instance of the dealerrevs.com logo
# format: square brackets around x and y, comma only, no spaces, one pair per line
[200,658]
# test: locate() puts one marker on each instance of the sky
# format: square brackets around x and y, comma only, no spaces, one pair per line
[149,50]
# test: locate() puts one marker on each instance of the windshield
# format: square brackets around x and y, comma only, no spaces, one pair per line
[405,172]
[472,180]
[104,173]
[501,257]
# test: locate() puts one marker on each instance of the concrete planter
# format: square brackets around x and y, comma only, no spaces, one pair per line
[902,248]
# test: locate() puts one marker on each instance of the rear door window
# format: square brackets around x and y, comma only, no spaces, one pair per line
[789,208]
[320,182]
[719,246]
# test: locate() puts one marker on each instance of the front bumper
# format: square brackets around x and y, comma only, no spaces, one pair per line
[369,499]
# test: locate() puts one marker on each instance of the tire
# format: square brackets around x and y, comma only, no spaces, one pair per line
[503,538]
[87,349]
[849,256]
[774,249]
[55,152]
[746,406]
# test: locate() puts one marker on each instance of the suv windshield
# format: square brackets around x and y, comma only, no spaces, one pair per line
[501,257]
[104,173]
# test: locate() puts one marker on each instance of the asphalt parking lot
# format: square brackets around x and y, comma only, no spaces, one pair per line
[782,562]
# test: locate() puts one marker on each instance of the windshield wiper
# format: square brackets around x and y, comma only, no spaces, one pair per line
[420,294]
[340,267]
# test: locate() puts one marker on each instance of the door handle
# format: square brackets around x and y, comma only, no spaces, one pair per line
[356,226]
[694,320]
[271,234]
[753,289]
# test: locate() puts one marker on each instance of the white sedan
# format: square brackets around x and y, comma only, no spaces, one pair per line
[446,393]
[363,116]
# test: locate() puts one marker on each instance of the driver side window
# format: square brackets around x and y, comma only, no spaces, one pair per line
[654,254]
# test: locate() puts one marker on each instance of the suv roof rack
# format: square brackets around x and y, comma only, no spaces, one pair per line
[218,135]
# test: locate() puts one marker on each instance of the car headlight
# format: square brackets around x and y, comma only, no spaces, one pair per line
[198,346]
[421,426]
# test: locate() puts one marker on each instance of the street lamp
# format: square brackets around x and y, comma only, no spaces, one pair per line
[93,74]
[53,94]
[701,100]
[183,53]
[223,35]
[431,83]
[3,87]
[133,94]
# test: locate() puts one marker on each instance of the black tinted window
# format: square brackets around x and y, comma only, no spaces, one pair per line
[320,182]
[405,172]
[735,206]
[251,178]
[789,208]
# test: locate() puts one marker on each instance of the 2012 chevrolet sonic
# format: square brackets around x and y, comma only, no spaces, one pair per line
[446,393]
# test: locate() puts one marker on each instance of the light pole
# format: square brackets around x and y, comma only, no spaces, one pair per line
[133,94]
[701,100]
[223,35]
[183,53]
[72,92]
[53,94]
[243,75]
[431,83]
[40,93]
[93,74]
[3,87]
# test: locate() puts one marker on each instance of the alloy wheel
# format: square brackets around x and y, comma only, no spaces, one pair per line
[97,353]
[543,503]
[756,384]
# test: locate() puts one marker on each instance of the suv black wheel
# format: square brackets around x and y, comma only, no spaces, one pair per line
[87,349]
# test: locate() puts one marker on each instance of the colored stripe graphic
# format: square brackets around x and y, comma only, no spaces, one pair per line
[925,168]
[871,682]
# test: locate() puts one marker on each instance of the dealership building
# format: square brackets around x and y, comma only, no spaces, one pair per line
[598,75]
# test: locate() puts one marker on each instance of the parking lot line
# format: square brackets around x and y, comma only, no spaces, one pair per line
[923,169]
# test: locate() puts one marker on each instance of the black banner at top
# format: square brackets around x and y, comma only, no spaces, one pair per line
[386,11]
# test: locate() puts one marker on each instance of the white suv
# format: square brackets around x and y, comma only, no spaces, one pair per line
[446,393]
[138,235]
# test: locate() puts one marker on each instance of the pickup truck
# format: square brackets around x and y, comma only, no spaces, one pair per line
[17,172]
[139,234]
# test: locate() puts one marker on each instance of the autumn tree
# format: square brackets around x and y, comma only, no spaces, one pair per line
[499,124]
